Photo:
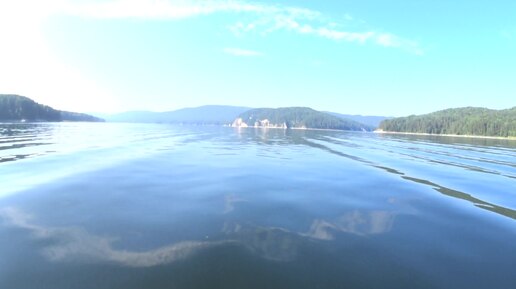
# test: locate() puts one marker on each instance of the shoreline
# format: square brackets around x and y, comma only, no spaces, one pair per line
[297,128]
[446,135]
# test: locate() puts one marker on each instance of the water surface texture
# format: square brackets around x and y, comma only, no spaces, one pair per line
[161,206]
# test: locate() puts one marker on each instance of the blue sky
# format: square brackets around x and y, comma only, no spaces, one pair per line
[359,57]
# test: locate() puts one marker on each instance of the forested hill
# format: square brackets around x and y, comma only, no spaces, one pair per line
[296,117]
[371,120]
[458,121]
[21,108]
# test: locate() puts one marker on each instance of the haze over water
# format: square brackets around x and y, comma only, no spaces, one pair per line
[159,206]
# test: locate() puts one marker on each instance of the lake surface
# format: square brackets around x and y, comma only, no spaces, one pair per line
[159,206]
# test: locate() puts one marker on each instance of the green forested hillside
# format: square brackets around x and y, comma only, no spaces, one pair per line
[370,120]
[15,107]
[75,116]
[299,117]
[459,121]
[18,108]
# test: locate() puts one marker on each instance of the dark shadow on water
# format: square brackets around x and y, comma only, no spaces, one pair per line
[14,136]
[467,167]
[463,196]
[12,158]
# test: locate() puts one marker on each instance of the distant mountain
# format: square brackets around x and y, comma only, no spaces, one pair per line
[133,116]
[458,121]
[296,117]
[208,114]
[371,120]
[20,108]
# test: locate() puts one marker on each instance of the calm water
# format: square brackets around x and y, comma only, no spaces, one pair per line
[159,206]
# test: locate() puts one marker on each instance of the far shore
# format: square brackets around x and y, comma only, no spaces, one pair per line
[296,128]
[446,135]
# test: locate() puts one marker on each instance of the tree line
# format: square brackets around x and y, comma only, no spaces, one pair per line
[16,108]
[458,121]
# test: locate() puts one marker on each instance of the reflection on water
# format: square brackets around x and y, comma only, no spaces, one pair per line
[159,206]
[74,244]
[356,222]
[274,244]
[230,201]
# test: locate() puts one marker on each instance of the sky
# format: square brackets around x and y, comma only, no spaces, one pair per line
[382,57]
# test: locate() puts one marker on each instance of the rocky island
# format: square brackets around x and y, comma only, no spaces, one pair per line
[295,118]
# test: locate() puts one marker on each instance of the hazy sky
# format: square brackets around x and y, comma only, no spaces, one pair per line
[384,57]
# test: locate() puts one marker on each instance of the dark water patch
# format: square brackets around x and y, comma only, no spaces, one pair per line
[463,196]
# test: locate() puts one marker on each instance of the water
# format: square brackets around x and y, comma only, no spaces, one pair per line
[161,206]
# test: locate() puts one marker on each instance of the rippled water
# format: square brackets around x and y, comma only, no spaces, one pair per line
[160,206]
